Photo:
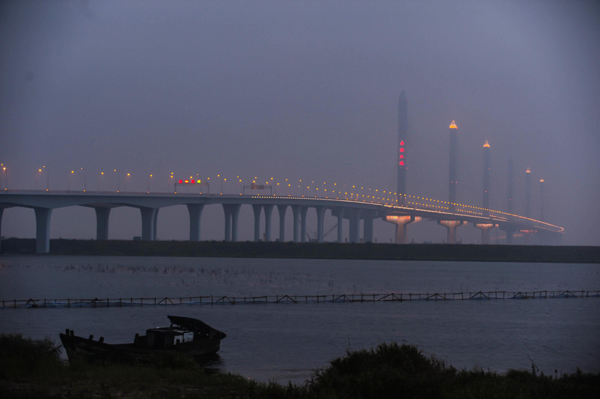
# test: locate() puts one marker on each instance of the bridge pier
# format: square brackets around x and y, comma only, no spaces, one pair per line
[368,227]
[509,234]
[232,213]
[355,225]
[102,215]
[268,213]
[257,211]
[227,212]
[282,210]
[320,222]
[296,217]
[485,231]
[149,216]
[451,225]
[340,224]
[303,212]
[401,223]
[235,218]
[195,211]
[42,230]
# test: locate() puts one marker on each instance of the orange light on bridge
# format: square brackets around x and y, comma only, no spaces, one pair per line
[453,125]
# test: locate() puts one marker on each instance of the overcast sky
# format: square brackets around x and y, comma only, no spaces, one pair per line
[300,90]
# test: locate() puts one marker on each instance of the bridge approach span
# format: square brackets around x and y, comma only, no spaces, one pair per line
[43,202]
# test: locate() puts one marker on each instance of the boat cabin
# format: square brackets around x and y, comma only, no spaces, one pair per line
[167,337]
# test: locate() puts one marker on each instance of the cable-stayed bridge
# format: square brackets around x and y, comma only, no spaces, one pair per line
[354,207]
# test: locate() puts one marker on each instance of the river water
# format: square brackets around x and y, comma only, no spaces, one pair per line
[287,341]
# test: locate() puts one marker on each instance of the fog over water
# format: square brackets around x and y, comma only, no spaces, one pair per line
[299,90]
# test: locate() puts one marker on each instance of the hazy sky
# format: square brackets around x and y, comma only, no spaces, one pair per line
[300,90]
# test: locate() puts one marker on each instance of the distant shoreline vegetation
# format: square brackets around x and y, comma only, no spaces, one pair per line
[30,368]
[310,250]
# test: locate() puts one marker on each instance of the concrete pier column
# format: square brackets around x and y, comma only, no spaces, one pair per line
[195,211]
[282,209]
[451,225]
[485,231]
[303,212]
[227,212]
[235,217]
[42,230]
[401,223]
[148,223]
[155,229]
[368,228]
[320,222]
[296,217]
[268,212]
[340,224]
[257,211]
[509,234]
[355,226]
[102,215]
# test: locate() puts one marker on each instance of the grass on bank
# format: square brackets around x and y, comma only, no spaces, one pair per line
[33,368]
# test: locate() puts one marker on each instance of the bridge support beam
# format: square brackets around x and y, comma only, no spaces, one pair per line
[42,230]
[102,215]
[268,213]
[340,224]
[451,225]
[485,231]
[195,211]
[296,217]
[257,211]
[320,222]
[303,212]
[282,209]
[149,216]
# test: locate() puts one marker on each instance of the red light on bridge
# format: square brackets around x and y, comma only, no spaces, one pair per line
[401,163]
[180,181]
[401,156]
[402,142]
[401,149]
[192,182]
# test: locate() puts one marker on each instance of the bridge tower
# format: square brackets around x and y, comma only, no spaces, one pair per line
[542,199]
[402,140]
[528,193]
[452,165]
[509,204]
[402,222]
[485,227]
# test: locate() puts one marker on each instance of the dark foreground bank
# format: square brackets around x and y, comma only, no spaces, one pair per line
[433,252]
[34,369]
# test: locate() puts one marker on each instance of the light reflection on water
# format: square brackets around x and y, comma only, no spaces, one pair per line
[286,341]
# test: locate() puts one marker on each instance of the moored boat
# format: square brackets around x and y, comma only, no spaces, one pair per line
[185,336]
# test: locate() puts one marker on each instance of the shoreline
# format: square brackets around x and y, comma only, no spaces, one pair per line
[310,250]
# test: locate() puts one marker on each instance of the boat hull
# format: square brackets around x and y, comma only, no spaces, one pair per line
[86,349]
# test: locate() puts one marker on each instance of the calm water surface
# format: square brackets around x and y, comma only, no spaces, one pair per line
[287,341]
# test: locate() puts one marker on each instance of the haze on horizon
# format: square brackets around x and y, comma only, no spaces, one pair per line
[300,90]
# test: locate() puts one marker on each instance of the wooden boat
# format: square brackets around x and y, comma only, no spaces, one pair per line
[185,336]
